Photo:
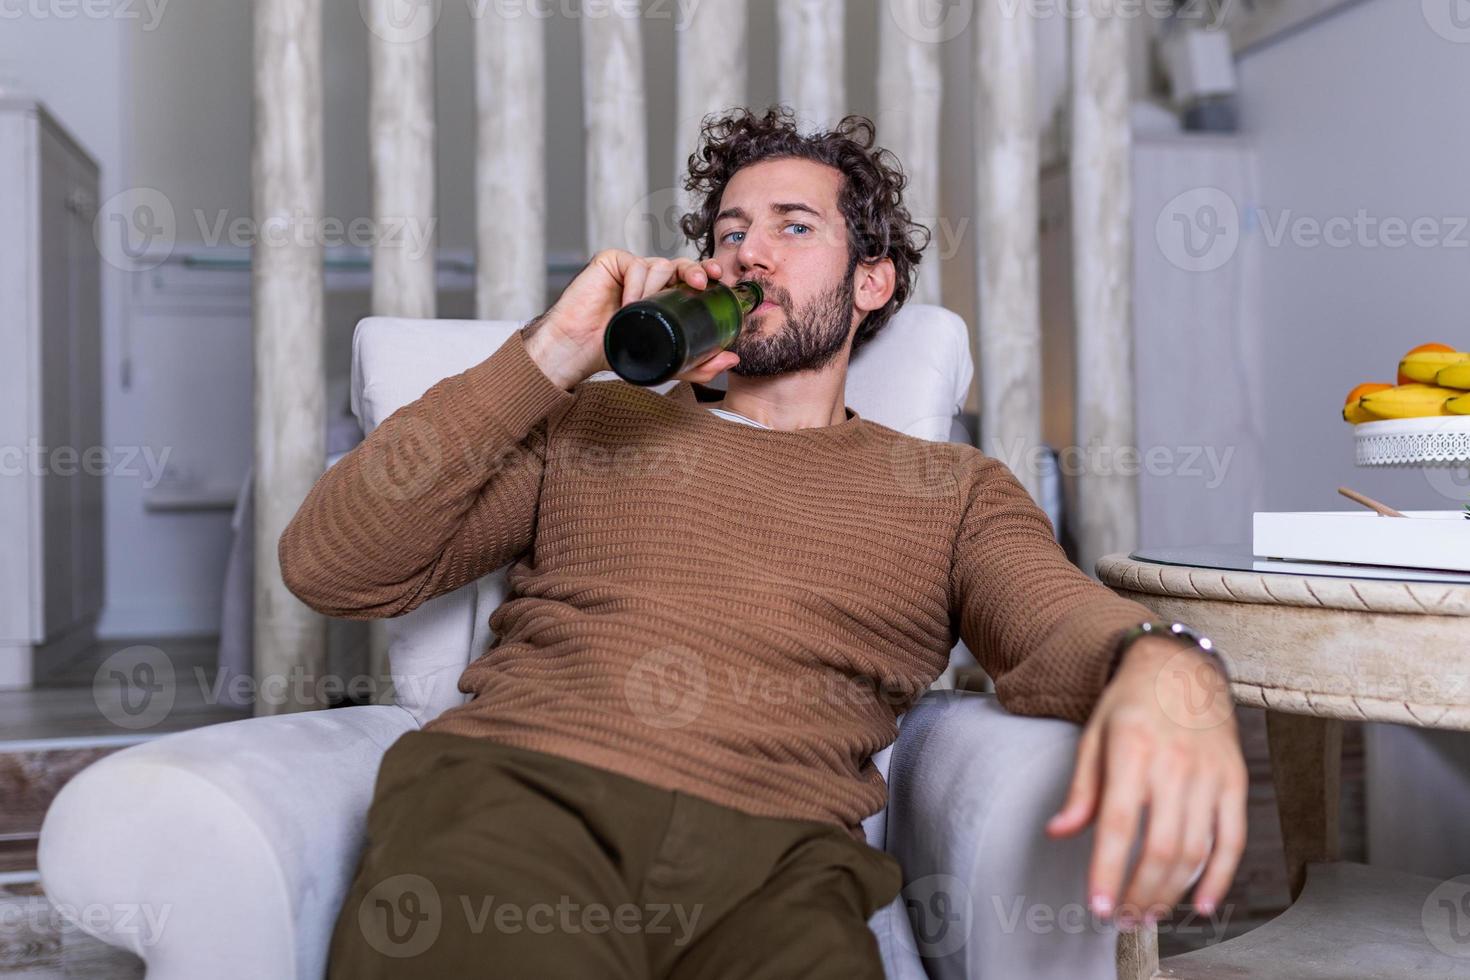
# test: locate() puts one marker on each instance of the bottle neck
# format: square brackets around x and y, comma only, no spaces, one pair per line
[749,294]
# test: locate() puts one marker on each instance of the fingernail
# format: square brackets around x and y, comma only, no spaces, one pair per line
[1207,907]
[1102,905]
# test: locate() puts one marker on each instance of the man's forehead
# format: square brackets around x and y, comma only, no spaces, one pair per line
[776,185]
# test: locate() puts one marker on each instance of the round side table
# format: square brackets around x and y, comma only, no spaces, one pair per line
[1314,645]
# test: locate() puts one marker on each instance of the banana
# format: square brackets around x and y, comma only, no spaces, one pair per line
[1455,376]
[1357,414]
[1409,401]
[1423,367]
[1459,405]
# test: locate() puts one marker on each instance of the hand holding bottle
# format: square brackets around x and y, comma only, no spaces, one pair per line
[566,340]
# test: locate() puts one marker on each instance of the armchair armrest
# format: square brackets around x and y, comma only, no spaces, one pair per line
[223,851]
[971,788]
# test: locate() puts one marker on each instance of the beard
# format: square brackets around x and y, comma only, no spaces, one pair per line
[809,338]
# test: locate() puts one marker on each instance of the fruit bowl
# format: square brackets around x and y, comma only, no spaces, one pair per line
[1433,439]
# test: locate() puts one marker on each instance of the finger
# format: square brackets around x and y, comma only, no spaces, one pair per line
[1125,758]
[633,280]
[1081,800]
[712,268]
[706,370]
[691,272]
[1194,840]
[1157,863]
[1229,844]
[660,271]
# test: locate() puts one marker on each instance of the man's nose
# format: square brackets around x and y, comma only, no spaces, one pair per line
[753,254]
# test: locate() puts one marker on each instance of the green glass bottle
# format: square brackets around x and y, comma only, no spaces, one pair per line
[650,341]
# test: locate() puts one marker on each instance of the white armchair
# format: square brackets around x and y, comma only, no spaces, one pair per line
[226,851]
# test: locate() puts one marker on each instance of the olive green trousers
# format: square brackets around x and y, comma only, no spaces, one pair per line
[487,860]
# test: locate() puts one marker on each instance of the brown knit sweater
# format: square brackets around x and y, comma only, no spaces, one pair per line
[732,612]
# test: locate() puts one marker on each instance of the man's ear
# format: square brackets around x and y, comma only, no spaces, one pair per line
[873,284]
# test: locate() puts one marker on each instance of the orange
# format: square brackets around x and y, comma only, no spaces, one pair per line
[1355,413]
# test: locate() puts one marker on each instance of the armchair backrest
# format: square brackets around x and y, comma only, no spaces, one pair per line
[914,377]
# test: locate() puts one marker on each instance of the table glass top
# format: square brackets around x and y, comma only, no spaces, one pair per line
[1238,558]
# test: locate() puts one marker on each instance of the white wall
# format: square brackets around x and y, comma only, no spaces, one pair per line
[1363,111]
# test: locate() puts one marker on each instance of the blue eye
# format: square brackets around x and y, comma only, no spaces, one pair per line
[797,224]
[727,235]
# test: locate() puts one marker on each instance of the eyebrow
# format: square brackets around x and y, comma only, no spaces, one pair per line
[785,208]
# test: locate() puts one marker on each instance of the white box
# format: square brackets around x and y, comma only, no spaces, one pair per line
[1420,539]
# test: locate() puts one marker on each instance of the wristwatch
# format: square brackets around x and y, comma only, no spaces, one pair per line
[1187,635]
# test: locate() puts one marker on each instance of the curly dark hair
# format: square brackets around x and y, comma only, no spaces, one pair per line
[870,195]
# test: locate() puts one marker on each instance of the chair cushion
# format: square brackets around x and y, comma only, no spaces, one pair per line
[913,377]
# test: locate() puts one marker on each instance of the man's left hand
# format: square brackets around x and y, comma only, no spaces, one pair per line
[1162,737]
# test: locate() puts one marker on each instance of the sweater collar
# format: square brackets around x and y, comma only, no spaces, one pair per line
[692,394]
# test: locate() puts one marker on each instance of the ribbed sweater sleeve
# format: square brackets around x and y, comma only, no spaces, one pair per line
[442,492]
[1041,628]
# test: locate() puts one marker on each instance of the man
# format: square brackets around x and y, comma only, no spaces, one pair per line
[719,607]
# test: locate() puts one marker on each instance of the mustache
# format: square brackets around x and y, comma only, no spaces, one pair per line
[775,294]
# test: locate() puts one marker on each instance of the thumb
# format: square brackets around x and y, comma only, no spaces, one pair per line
[1081,801]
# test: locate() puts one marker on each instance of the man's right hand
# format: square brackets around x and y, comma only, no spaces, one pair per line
[566,340]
